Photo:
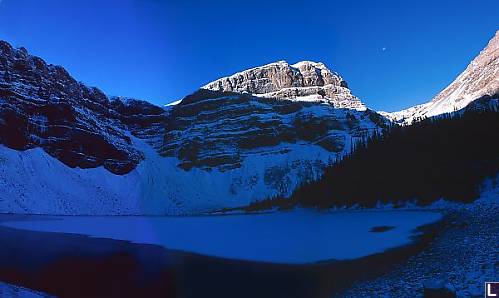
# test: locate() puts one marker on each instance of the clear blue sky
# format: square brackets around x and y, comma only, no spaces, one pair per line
[163,50]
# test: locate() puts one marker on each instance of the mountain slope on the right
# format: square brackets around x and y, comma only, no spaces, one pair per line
[445,149]
[479,79]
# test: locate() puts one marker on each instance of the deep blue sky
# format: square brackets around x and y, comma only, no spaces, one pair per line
[162,50]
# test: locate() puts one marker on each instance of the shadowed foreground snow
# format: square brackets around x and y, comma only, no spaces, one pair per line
[12,291]
[296,237]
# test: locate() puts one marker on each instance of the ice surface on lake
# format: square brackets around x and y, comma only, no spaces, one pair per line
[284,237]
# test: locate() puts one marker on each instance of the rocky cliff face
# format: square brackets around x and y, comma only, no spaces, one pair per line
[479,80]
[41,105]
[303,81]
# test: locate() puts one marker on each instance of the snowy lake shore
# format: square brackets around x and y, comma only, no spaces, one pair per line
[461,258]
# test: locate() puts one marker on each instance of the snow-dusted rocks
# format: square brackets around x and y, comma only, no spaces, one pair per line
[303,81]
[221,129]
[479,80]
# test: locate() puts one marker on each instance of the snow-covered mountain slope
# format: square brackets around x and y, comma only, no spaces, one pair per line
[66,148]
[480,79]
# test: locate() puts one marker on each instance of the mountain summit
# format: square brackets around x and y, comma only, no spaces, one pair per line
[480,79]
[302,81]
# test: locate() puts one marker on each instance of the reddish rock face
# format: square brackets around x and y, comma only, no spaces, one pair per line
[41,105]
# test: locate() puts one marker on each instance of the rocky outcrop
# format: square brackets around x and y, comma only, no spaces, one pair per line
[41,105]
[478,81]
[303,81]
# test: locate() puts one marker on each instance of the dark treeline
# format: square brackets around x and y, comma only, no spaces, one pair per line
[445,157]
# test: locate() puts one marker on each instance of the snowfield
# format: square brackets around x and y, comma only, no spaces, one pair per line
[33,182]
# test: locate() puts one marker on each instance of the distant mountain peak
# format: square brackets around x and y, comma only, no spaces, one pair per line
[479,79]
[302,81]
[276,76]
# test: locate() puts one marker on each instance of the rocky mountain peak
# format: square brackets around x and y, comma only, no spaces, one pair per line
[302,81]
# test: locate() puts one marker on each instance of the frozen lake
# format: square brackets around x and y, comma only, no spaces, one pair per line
[293,237]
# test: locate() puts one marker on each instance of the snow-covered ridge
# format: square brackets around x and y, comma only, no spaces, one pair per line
[480,79]
[173,103]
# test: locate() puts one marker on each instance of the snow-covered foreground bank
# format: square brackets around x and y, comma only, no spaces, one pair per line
[12,291]
[293,237]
